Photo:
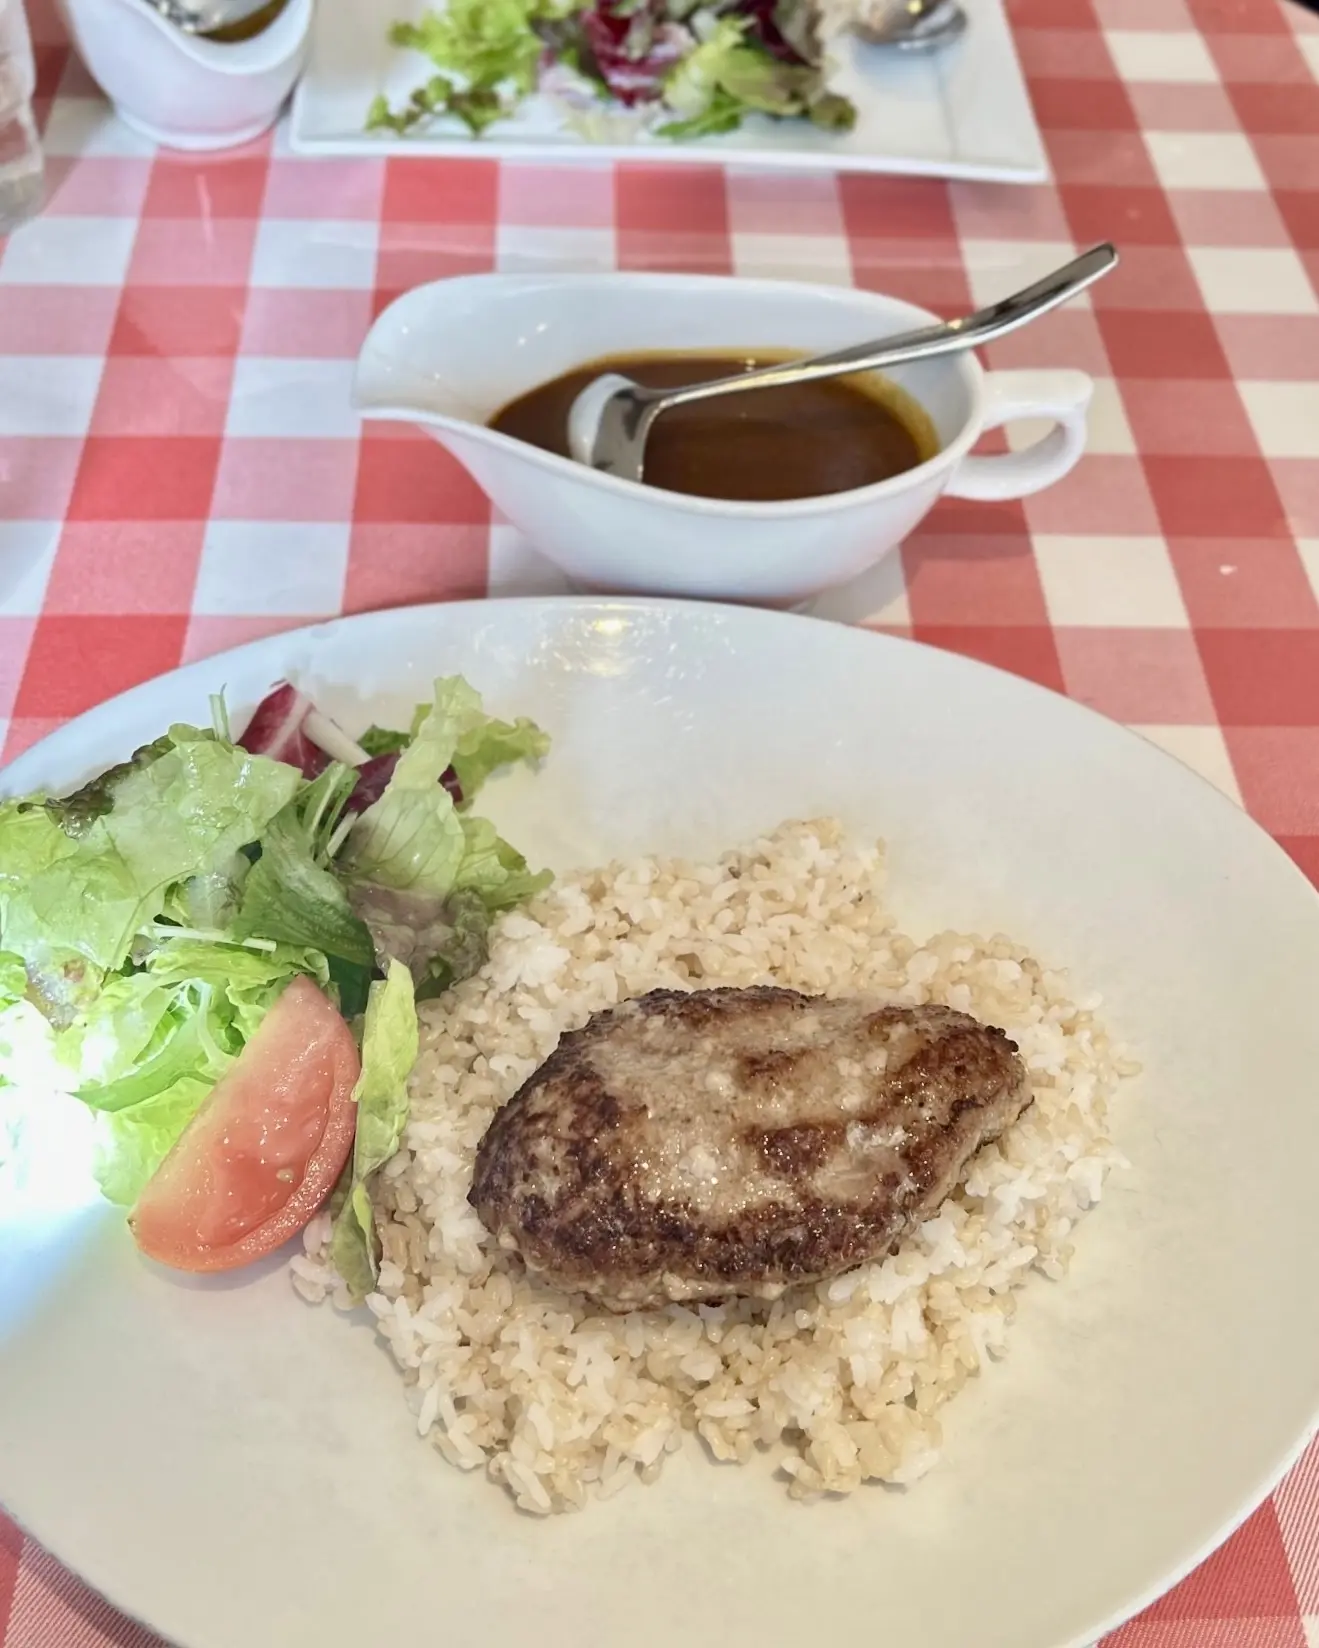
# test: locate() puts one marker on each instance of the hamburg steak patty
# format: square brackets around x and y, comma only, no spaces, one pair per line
[696,1146]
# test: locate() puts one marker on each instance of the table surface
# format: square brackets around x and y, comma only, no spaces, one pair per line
[179,470]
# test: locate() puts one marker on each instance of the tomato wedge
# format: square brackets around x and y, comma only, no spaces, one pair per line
[265,1149]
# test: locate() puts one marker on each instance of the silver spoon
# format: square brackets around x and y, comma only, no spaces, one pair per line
[610,419]
[916,26]
[206,16]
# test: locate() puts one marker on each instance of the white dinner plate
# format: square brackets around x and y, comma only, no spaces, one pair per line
[962,112]
[242,1471]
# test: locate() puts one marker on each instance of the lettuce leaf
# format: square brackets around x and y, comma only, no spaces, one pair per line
[70,905]
[728,76]
[320,806]
[249,979]
[723,113]
[476,106]
[487,52]
[292,899]
[193,806]
[290,894]
[690,85]
[13,980]
[494,869]
[350,984]
[485,41]
[439,940]
[131,1144]
[389,1051]
[413,839]
[27,1041]
[149,921]
[154,1042]
[487,745]
[76,811]
[209,901]
[463,949]
[184,1049]
[492,744]
[384,740]
[130,1023]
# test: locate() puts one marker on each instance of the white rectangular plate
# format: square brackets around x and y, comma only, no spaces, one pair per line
[963,112]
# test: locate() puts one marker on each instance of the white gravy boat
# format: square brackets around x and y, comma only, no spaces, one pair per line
[449,355]
[184,91]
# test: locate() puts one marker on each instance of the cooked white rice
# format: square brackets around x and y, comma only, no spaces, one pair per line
[559,1400]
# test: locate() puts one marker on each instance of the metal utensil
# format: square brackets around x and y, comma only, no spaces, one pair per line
[610,419]
[206,16]
[916,26]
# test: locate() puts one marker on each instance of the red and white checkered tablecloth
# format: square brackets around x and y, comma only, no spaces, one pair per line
[179,470]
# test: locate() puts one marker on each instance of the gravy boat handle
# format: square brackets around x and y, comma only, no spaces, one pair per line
[1063,398]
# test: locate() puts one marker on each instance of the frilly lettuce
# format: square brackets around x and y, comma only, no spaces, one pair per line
[441,941]
[495,870]
[389,1050]
[70,905]
[149,921]
[691,86]
[291,894]
[725,77]
[486,52]
[490,744]
[487,42]
[611,67]
[414,840]
[13,980]
[131,1144]
[154,1042]
[27,1041]
[412,837]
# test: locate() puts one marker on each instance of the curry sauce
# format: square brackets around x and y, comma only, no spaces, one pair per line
[764,445]
[248,27]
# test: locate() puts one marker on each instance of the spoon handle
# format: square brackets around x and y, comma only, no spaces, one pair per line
[947,337]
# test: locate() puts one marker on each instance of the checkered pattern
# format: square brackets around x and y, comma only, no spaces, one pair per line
[178,470]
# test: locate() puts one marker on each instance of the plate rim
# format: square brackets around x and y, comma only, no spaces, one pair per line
[788,622]
[787,619]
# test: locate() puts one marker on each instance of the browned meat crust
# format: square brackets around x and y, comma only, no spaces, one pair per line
[722,1142]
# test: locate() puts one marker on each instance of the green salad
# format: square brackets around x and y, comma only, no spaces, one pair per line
[151,922]
[678,68]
